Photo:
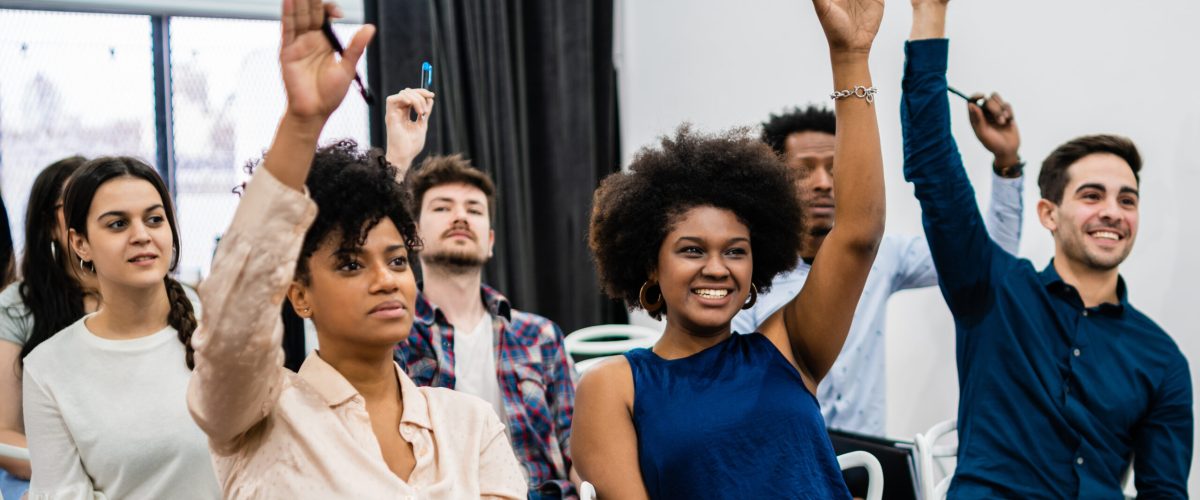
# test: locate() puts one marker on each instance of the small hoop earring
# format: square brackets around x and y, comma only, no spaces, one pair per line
[651,307]
[54,250]
[83,266]
[753,297]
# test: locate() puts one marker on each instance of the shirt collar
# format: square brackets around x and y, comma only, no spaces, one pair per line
[1054,283]
[336,390]
[495,302]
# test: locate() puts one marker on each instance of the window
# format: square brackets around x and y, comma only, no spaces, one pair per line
[226,101]
[75,83]
[71,84]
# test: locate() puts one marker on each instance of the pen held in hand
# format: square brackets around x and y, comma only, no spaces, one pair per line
[327,29]
[981,102]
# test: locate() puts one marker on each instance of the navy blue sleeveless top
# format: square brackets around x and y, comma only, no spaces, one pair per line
[732,421]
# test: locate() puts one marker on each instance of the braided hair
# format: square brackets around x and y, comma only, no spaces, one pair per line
[77,202]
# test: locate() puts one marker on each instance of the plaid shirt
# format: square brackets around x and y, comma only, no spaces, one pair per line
[537,381]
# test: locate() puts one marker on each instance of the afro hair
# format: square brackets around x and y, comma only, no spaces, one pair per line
[353,191]
[633,211]
[813,118]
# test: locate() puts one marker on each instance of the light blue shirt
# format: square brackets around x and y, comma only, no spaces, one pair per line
[853,395]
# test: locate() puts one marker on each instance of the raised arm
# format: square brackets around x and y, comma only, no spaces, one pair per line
[238,354]
[405,136]
[817,320]
[999,135]
[963,254]
[997,131]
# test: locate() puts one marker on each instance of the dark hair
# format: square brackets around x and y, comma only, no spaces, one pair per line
[633,211]
[1054,177]
[353,192]
[454,169]
[77,202]
[53,297]
[813,118]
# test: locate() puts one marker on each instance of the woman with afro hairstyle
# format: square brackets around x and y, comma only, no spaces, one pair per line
[350,423]
[691,234]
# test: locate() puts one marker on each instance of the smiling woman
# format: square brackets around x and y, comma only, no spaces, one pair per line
[693,232]
[103,398]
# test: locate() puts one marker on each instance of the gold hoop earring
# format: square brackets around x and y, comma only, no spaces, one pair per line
[651,307]
[753,297]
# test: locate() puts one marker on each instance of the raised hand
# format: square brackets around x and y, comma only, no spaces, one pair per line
[996,129]
[314,77]
[850,25]
[405,136]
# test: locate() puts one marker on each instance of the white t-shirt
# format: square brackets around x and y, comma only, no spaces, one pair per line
[16,322]
[475,364]
[109,419]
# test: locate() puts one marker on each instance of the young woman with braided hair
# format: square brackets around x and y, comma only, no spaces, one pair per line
[104,399]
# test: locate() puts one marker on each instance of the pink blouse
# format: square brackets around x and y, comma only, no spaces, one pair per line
[277,434]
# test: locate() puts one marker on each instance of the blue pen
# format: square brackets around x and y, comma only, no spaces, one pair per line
[426,75]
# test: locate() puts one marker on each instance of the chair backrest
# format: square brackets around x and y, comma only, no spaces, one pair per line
[10,451]
[897,458]
[1127,485]
[587,491]
[607,340]
[874,471]
[929,453]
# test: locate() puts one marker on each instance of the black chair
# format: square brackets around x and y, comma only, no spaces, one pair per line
[896,458]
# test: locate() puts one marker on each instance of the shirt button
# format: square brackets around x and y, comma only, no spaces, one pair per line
[1079,461]
[1077,352]
[1085,312]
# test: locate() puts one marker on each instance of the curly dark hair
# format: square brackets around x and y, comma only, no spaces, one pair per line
[353,191]
[813,118]
[633,211]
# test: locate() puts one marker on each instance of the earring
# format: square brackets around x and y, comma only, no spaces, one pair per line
[651,307]
[307,311]
[753,297]
[54,250]
[83,267]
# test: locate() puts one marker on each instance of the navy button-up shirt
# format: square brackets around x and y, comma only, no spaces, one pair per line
[1055,398]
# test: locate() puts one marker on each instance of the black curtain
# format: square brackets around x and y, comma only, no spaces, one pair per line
[526,90]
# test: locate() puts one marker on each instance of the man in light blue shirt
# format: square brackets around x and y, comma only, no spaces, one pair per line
[853,395]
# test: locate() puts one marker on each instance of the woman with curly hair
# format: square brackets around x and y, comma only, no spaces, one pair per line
[104,398]
[350,424]
[693,232]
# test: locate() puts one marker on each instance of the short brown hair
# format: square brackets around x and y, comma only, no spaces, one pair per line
[1053,178]
[453,169]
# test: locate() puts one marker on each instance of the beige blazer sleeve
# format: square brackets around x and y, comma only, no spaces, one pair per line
[239,356]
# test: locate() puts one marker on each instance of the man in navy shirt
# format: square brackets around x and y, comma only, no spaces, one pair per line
[1061,381]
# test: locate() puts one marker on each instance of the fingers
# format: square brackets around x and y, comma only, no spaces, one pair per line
[316,14]
[999,109]
[357,46]
[333,11]
[419,101]
[287,21]
[975,113]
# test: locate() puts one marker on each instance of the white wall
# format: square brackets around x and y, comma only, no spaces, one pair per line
[1069,67]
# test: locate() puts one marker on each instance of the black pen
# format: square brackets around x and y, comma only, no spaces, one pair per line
[327,29]
[978,102]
